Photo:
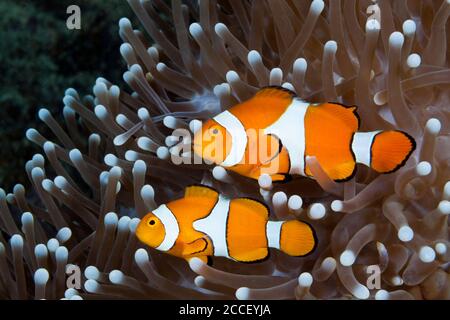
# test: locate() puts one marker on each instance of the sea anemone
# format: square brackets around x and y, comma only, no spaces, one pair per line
[118,155]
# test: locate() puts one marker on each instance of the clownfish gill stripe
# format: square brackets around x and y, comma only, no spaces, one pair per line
[238,137]
[171,227]
[290,129]
[215,226]
[362,145]
[273,232]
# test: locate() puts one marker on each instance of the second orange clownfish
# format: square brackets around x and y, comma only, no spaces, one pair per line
[204,223]
[294,129]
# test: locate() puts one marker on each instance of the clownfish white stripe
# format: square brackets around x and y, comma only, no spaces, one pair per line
[238,137]
[361,146]
[215,226]
[171,227]
[273,232]
[290,129]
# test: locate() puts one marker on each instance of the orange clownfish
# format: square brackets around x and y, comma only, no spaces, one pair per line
[204,223]
[296,129]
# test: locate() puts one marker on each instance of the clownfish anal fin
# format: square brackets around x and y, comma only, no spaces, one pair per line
[343,172]
[255,206]
[281,177]
[195,247]
[251,256]
[200,191]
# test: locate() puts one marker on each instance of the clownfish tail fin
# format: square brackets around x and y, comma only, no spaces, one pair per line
[296,238]
[390,150]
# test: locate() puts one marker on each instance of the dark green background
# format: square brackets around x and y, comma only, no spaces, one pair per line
[40,58]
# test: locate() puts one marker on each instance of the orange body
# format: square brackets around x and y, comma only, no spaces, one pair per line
[289,130]
[211,225]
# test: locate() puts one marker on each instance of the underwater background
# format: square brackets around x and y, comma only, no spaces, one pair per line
[40,57]
[87,120]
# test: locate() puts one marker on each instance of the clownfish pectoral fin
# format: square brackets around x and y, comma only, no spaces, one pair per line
[200,191]
[254,206]
[195,247]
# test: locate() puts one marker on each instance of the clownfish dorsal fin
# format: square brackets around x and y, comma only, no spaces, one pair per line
[275,92]
[200,191]
[346,114]
[255,206]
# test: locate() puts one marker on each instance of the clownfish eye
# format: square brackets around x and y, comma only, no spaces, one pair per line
[215,131]
[151,222]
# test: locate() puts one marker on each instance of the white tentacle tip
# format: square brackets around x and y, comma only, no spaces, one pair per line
[64,234]
[44,114]
[232,76]
[163,153]
[195,29]
[124,23]
[170,122]
[409,27]
[61,254]
[220,173]
[396,39]
[116,276]
[440,248]
[305,280]
[427,254]
[317,6]
[405,233]
[27,218]
[295,202]
[331,45]
[91,286]
[347,258]
[317,211]
[265,181]
[110,219]
[372,25]
[220,29]
[337,206]
[433,126]
[254,57]
[52,245]
[444,207]
[139,167]
[141,256]
[16,241]
[69,293]
[243,293]
[361,292]
[300,65]
[92,273]
[414,60]
[423,168]
[134,224]
[41,276]
[382,295]
[196,264]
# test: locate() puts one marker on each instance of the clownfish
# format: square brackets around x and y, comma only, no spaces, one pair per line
[295,129]
[204,224]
